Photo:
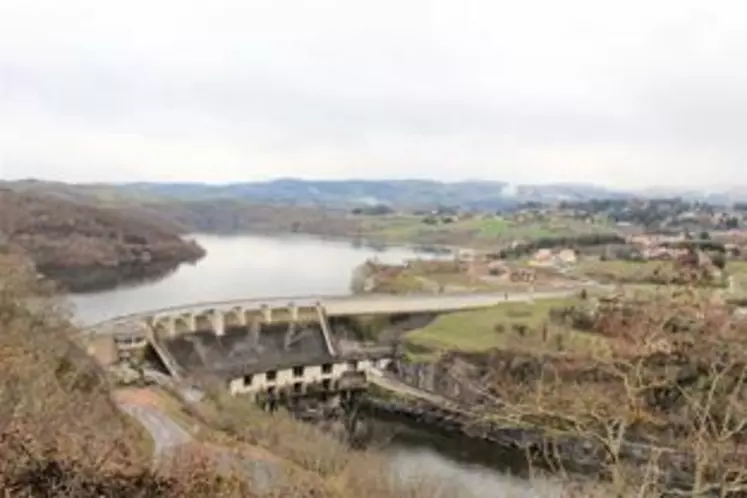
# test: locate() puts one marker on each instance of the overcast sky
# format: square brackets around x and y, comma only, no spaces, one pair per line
[623,93]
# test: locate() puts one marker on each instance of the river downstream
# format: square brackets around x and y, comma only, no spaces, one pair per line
[255,266]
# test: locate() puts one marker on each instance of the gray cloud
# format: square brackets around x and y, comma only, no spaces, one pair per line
[631,93]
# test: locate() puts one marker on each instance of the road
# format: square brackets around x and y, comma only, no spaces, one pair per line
[374,304]
[339,305]
[166,434]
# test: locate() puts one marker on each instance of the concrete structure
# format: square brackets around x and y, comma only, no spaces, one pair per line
[267,359]
[131,331]
[341,374]
[217,315]
[275,348]
[267,352]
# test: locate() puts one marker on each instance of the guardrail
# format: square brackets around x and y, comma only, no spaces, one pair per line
[208,304]
[285,300]
[484,299]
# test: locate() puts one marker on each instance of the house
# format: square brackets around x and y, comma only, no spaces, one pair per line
[498,268]
[543,257]
[466,255]
[566,257]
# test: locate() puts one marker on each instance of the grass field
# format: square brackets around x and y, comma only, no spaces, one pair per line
[477,232]
[494,228]
[489,328]
[623,271]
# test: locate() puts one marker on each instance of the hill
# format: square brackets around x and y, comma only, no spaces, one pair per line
[385,211]
[404,194]
[88,247]
[484,195]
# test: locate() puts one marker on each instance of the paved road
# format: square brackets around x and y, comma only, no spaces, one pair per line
[167,434]
[342,305]
[439,302]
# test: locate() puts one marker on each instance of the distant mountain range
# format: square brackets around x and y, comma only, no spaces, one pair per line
[410,193]
[486,195]
[712,195]
[347,193]
[334,194]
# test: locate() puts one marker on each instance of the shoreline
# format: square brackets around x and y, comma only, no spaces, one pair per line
[521,450]
[88,280]
[371,242]
[78,281]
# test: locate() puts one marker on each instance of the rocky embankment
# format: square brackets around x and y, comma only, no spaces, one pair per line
[471,412]
[86,247]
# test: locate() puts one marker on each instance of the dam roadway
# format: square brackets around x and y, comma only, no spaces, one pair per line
[367,304]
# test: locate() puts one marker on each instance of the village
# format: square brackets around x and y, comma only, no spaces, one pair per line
[714,259]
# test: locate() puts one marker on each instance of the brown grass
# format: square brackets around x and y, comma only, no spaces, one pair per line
[308,451]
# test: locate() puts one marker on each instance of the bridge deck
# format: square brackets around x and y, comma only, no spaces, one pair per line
[344,305]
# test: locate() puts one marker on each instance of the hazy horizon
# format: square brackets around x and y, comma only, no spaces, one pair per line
[679,189]
[621,95]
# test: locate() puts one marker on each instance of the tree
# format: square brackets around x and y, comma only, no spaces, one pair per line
[664,408]
[719,260]
[731,222]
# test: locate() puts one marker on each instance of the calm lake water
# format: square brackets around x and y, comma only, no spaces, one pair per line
[239,267]
[255,266]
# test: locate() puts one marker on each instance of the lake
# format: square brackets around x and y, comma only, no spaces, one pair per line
[238,267]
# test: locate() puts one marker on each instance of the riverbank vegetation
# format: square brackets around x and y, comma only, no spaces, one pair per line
[87,247]
[671,395]
[661,405]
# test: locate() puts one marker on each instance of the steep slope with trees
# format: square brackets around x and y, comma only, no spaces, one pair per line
[89,247]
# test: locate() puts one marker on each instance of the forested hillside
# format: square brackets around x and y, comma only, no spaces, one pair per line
[86,246]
